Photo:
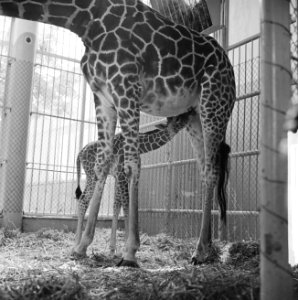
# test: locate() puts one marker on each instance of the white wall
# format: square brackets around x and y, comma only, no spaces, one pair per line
[293,197]
[244,19]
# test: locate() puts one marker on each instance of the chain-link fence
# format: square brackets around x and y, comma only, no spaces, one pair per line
[5,24]
[171,192]
[170,197]
[62,121]
[294,48]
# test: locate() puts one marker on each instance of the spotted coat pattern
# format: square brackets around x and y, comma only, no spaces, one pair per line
[137,60]
[149,141]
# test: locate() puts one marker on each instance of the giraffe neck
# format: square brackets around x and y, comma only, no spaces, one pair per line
[153,139]
[76,15]
[156,138]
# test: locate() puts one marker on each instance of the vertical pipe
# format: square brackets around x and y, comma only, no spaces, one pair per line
[82,117]
[169,190]
[225,10]
[276,281]
[16,122]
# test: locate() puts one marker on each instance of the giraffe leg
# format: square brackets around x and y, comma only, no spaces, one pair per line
[121,200]
[106,128]
[205,240]
[83,204]
[213,117]
[132,171]
[194,129]
[116,212]
[125,205]
[133,239]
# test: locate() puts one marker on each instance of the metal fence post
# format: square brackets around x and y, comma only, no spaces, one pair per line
[276,281]
[169,191]
[16,121]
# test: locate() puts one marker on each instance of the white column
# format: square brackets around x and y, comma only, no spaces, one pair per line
[16,120]
[276,281]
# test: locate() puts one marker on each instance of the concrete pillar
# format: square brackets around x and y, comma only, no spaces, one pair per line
[16,121]
[276,279]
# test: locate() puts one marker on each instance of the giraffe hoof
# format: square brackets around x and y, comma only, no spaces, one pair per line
[112,252]
[127,263]
[77,256]
[209,255]
[195,261]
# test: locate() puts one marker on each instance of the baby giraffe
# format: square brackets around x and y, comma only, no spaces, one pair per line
[149,141]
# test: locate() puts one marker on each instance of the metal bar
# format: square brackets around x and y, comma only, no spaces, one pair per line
[193,160]
[56,68]
[82,118]
[57,56]
[50,215]
[5,107]
[65,217]
[69,141]
[242,224]
[51,170]
[50,139]
[225,5]
[48,165]
[42,137]
[77,133]
[251,122]
[5,56]
[169,190]
[61,117]
[199,211]
[53,35]
[244,41]
[62,145]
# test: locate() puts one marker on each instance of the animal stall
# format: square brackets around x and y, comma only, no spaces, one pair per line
[56,120]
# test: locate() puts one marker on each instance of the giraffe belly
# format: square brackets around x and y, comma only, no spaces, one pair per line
[168,106]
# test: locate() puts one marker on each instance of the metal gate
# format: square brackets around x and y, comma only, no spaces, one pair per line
[170,188]
[62,121]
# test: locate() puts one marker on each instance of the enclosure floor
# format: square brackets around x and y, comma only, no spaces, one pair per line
[39,266]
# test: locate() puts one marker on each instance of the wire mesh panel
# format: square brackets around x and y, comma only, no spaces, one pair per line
[243,136]
[5,25]
[294,49]
[62,122]
[55,123]
[171,189]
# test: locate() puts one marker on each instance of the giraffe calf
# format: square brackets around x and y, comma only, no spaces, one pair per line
[149,141]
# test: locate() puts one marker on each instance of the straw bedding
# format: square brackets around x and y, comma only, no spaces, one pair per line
[38,266]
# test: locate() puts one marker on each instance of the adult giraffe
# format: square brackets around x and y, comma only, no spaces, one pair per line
[137,60]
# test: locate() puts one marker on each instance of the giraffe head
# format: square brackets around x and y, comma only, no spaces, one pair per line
[177,123]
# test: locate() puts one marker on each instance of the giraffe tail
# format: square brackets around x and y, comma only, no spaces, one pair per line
[78,191]
[223,161]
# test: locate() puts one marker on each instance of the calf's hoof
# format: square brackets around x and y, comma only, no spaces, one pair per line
[77,255]
[127,263]
[196,261]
